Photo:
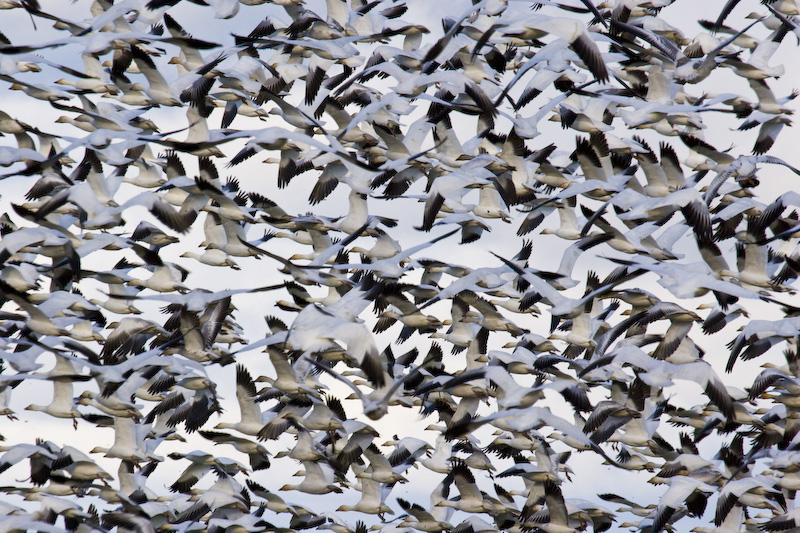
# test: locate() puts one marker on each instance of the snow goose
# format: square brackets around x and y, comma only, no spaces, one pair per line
[532,417]
[131,521]
[223,205]
[463,326]
[275,138]
[718,317]
[151,234]
[304,274]
[681,488]
[36,320]
[54,504]
[490,318]
[227,235]
[693,280]
[21,245]
[439,460]
[250,422]
[158,90]
[307,447]
[373,496]
[752,265]
[111,405]
[39,455]
[783,522]
[189,56]
[757,65]
[661,373]
[588,114]
[562,278]
[201,464]
[582,329]
[556,509]
[471,499]
[561,305]
[568,228]
[697,70]
[274,503]
[120,299]
[407,451]
[767,133]
[129,441]
[283,416]
[192,399]
[223,496]
[40,92]
[376,404]
[318,479]
[755,491]
[259,457]
[213,257]
[325,250]
[385,246]
[491,204]
[402,310]
[606,418]
[449,189]
[62,404]
[290,378]
[198,333]
[421,519]
[537,26]
[395,267]
[767,112]
[743,168]
[79,466]
[165,277]
[681,321]
[128,337]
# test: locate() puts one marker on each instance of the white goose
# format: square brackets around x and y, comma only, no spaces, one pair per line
[318,479]
[250,421]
